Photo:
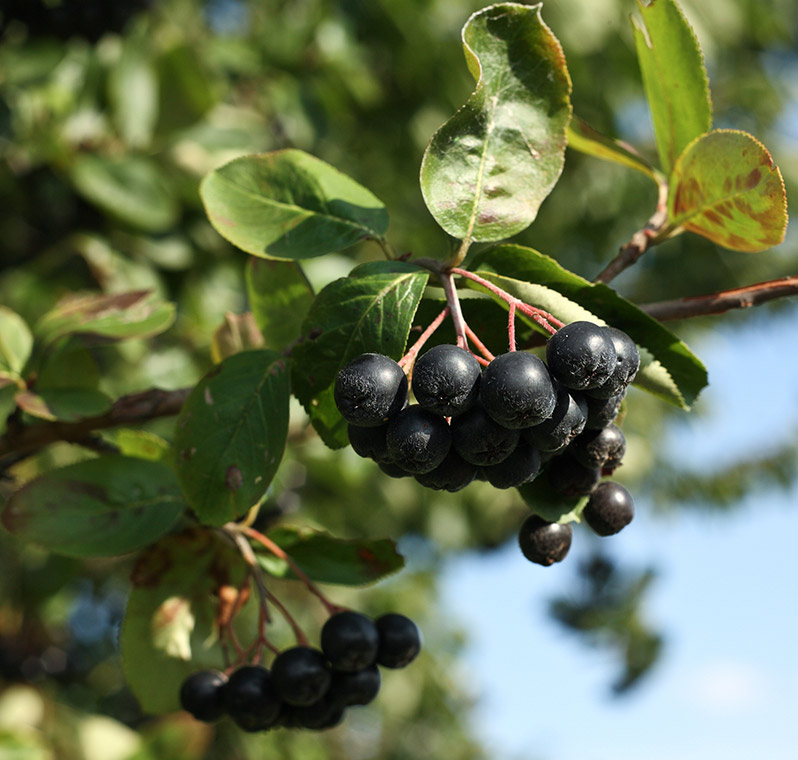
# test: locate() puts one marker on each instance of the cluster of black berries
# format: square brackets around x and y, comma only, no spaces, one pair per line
[307,687]
[504,424]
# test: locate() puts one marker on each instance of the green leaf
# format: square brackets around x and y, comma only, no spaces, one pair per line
[133,93]
[237,333]
[327,559]
[668,368]
[674,77]
[170,629]
[65,404]
[96,508]
[586,139]
[139,443]
[290,205]
[9,387]
[186,89]
[72,366]
[726,187]
[371,310]
[280,297]
[231,434]
[138,314]
[487,170]
[545,502]
[16,341]
[130,188]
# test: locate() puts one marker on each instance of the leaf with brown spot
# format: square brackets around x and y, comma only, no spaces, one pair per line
[726,187]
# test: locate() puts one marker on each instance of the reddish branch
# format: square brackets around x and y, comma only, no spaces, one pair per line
[127,410]
[725,300]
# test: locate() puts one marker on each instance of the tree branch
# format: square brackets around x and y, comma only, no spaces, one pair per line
[725,300]
[134,408]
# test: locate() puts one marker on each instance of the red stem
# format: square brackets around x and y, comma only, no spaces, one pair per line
[511,327]
[423,338]
[301,639]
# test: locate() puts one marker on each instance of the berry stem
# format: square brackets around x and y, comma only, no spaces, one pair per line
[301,638]
[474,338]
[461,328]
[409,358]
[511,327]
[547,321]
[268,544]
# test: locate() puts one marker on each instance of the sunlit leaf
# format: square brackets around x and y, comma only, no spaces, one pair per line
[237,333]
[16,341]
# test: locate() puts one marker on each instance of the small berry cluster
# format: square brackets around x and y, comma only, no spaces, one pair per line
[307,687]
[504,424]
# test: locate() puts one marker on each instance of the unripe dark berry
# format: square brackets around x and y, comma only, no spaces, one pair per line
[251,700]
[358,688]
[481,440]
[400,640]
[517,390]
[453,474]
[570,478]
[522,466]
[542,542]
[581,355]
[202,695]
[418,440]
[446,380]
[369,442]
[610,509]
[370,390]
[566,422]
[627,363]
[602,411]
[596,448]
[349,641]
[301,675]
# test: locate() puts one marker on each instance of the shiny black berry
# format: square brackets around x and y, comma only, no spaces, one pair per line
[446,380]
[301,675]
[581,355]
[418,440]
[481,440]
[400,640]
[517,390]
[610,509]
[322,714]
[370,390]
[522,466]
[357,688]
[202,695]
[542,542]
[369,442]
[251,700]
[453,474]
[349,640]
[597,448]
[627,363]
[566,422]
[602,411]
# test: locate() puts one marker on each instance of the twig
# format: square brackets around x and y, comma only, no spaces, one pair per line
[725,300]
[409,358]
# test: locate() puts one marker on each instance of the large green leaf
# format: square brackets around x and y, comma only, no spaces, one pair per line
[674,76]
[290,205]
[487,170]
[371,310]
[129,187]
[327,559]
[280,297]
[65,404]
[170,630]
[99,507]
[16,341]
[726,187]
[137,314]
[231,433]
[668,368]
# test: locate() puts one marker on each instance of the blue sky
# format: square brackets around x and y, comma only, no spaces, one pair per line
[725,598]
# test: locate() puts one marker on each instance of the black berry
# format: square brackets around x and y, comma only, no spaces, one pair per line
[349,640]
[610,509]
[520,467]
[324,713]
[393,470]
[453,474]
[566,422]
[570,478]
[446,380]
[251,700]
[627,363]
[543,542]
[581,355]
[301,675]
[369,442]
[370,390]
[481,440]
[400,640]
[358,688]
[201,694]
[517,390]
[418,440]
[597,448]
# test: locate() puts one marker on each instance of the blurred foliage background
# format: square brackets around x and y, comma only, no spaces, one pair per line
[110,114]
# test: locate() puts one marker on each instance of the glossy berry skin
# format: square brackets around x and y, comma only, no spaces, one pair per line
[581,355]
[627,363]
[446,380]
[517,390]
[349,641]
[610,509]
[418,440]
[452,475]
[251,700]
[566,422]
[602,411]
[202,695]
[597,448]
[522,466]
[570,478]
[358,688]
[370,390]
[400,640]
[481,440]
[301,675]
[544,543]
[369,442]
